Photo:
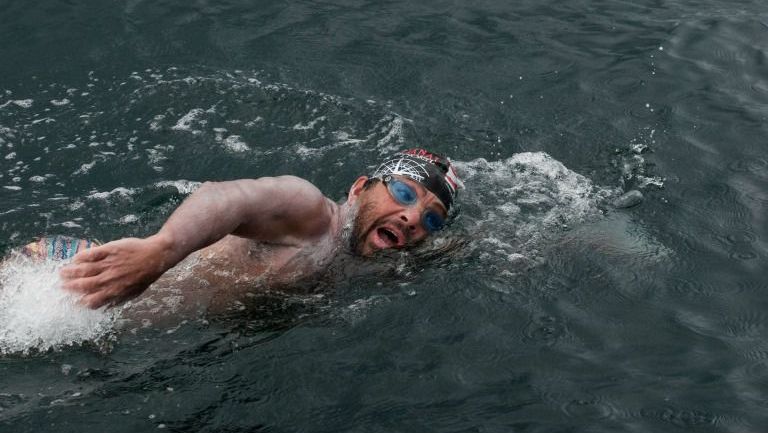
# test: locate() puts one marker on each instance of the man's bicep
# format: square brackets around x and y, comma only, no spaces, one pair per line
[282,207]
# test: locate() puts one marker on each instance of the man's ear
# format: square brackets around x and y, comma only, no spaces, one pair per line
[356,188]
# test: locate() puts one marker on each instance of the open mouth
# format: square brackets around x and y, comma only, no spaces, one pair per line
[389,237]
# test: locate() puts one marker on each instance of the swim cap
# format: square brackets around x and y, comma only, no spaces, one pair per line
[432,171]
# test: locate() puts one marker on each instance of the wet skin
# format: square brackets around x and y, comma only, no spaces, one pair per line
[268,231]
[384,223]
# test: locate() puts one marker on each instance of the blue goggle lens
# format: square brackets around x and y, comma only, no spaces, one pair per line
[432,221]
[402,192]
[406,196]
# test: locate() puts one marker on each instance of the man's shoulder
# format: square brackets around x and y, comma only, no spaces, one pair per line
[287,182]
[292,178]
[307,206]
[297,189]
[301,189]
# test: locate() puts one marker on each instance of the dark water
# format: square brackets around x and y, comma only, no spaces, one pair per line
[560,314]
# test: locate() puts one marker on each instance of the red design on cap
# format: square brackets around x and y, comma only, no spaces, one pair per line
[422,153]
[452,178]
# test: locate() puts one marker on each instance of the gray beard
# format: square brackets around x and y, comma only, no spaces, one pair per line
[349,230]
[351,233]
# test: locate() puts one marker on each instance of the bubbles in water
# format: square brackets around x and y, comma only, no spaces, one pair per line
[187,121]
[511,205]
[234,143]
[59,102]
[634,168]
[37,315]
[183,186]
[23,103]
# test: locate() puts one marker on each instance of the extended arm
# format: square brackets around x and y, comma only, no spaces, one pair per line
[285,210]
[271,209]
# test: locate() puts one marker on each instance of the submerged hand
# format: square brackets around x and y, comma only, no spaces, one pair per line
[115,272]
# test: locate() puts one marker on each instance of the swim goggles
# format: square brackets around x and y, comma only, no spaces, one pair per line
[405,195]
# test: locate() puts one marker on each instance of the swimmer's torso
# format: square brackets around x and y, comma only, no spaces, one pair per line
[222,276]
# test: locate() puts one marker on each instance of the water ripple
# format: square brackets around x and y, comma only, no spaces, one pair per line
[685,418]
[592,408]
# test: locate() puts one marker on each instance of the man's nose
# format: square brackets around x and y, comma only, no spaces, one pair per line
[411,217]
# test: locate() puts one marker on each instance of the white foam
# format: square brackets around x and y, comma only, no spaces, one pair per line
[633,164]
[234,143]
[343,139]
[186,121]
[512,204]
[358,310]
[59,102]
[309,125]
[123,192]
[84,168]
[35,314]
[23,103]
[128,219]
[183,186]
[394,138]
[253,122]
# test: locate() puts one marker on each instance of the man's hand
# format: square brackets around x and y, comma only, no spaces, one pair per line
[117,271]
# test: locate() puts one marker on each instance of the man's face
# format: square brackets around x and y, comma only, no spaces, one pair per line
[384,223]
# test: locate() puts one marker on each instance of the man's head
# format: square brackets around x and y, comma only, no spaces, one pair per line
[407,198]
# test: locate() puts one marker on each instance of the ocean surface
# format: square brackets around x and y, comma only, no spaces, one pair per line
[554,303]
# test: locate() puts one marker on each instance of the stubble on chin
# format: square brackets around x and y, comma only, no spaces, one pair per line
[360,227]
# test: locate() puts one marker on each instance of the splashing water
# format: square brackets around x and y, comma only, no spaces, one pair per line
[512,206]
[37,315]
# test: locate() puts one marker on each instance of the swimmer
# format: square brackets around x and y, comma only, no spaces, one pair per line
[266,232]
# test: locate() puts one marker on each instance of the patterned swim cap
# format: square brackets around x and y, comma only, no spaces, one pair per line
[432,171]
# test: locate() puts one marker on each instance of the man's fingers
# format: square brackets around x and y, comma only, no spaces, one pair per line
[91,255]
[80,270]
[83,285]
[96,300]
